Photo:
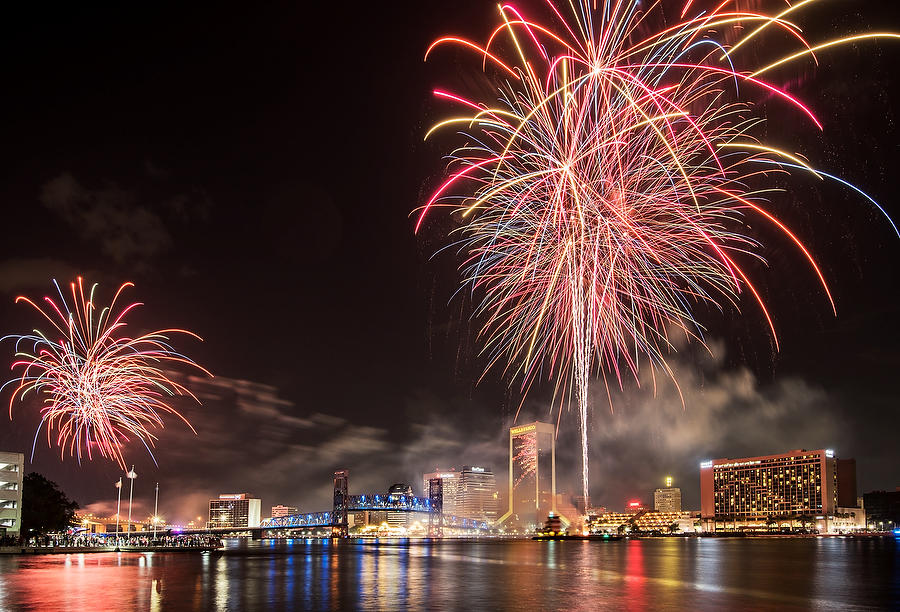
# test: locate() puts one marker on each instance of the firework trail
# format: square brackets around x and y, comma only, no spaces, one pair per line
[100,388]
[607,191]
[526,456]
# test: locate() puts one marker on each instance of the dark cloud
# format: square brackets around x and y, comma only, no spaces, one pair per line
[727,412]
[251,439]
[23,274]
[125,229]
[126,224]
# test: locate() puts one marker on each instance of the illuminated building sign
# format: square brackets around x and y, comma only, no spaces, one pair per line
[449,475]
[738,464]
[705,464]
[829,453]
[477,469]
[517,430]
[233,496]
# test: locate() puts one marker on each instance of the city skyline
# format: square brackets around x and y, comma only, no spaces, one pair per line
[358,345]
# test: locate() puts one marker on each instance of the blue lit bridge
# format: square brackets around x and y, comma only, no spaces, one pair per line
[374,503]
[337,519]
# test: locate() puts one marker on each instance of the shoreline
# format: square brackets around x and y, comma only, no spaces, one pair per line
[65,550]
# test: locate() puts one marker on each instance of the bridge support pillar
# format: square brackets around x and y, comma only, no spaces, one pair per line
[436,516]
[339,522]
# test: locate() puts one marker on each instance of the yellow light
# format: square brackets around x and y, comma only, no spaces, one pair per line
[668,481]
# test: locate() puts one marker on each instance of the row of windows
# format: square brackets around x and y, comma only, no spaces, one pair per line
[773,489]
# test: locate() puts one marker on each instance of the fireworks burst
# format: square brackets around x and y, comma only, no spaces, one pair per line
[526,456]
[100,388]
[609,192]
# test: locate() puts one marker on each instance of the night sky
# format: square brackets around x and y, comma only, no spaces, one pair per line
[253,172]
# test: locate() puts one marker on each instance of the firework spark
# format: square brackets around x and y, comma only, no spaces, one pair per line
[100,388]
[609,192]
[526,456]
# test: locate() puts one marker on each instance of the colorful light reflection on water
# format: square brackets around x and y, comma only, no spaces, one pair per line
[402,574]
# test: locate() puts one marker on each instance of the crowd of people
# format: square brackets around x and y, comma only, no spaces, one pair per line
[93,540]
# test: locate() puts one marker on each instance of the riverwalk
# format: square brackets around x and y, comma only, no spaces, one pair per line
[71,550]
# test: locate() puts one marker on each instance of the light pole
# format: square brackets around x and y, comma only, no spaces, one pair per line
[118,504]
[155,509]
[131,476]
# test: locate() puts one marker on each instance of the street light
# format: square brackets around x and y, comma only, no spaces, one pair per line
[131,476]
[118,504]
[155,511]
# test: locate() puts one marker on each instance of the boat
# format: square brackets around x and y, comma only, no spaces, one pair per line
[553,530]
[603,537]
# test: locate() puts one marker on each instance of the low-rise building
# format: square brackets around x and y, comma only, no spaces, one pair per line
[643,521]
[88,522]
[12,467]
[882,509]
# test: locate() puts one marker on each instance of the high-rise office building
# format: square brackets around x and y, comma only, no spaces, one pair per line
[667,499]
[755,490]
[397,492]
[449,487]
[476,496]
[12,466]
[532,474]
[279,510]
[234,510]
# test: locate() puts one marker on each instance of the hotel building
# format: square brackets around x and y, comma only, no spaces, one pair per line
[757,492]
[12,466]
[234,510]
[532,474]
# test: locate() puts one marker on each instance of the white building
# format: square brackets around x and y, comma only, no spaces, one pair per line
[12,467]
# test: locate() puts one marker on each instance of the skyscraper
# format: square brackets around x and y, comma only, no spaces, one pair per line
[476,496]
[532,474]
[449,487]
[667,499]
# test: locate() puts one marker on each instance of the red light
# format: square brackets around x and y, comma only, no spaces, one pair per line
[634,504]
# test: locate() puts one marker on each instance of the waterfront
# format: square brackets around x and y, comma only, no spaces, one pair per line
[666,573]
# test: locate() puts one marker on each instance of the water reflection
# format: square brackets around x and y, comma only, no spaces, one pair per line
[402,574]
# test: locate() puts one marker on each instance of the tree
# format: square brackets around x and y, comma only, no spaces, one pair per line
[673,527]
[44,506]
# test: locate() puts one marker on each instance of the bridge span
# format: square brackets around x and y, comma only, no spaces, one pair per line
[337,518]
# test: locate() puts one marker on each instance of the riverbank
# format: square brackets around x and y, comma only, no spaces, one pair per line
[71,550]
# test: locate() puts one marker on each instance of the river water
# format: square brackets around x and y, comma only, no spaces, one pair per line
[658,574]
